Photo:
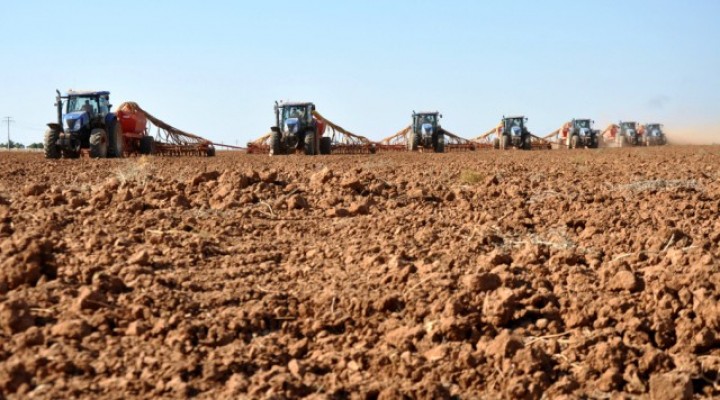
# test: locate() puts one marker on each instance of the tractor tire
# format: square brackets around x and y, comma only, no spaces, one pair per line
[147,145]
[574,142]
[413,141]
[440,143]
[210,151]
[98,143]
[496,143]
[116,143]
[276,144]
[527,143]
[504,142]
[51,148]
[325,145]
[309,145]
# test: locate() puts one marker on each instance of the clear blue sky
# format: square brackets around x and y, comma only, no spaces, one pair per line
[215,67]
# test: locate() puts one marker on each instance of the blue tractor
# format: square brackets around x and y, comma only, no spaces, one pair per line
[85,123]
[426,132]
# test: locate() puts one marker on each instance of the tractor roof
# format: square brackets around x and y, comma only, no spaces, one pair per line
[87,92]
[293,103]
[427,112]
[514,116]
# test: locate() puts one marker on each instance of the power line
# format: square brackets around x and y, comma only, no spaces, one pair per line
[8,120]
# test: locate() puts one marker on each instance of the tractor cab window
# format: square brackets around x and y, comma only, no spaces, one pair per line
[104,106]
[83,103]
[514,122]
[582,124]
[428,119]
[295,112]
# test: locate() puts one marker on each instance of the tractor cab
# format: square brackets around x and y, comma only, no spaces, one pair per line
[426,123]
[83,110]
[583,127]
[628,129]
[514,126]
[654,130]
[294,118]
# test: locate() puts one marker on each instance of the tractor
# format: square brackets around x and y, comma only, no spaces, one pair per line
[297,128]
[579,133]
[512,132]
[627,134]
[85,124]
[426,132]
[653,134]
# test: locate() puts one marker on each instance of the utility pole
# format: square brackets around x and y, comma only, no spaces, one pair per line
[8,120]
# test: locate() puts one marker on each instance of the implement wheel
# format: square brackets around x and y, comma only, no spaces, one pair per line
[325,145]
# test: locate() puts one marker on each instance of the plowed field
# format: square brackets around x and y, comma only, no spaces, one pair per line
[472,275]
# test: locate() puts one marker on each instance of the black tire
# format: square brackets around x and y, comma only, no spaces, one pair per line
[276,144]
[574,142]
[440,143]
[147,145]
[505,142]
[309,144]
[413,141]
[51,148]
[98,143]
[325,145]
[116,144]
[210,151]
[527,143]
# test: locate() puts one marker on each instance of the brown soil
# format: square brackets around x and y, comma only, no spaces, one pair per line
[487,274]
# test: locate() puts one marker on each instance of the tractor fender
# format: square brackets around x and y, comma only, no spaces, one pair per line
[55,126]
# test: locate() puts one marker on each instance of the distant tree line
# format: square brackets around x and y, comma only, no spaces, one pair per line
[16,145]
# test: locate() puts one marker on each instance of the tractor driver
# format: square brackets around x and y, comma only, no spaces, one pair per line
[87,107]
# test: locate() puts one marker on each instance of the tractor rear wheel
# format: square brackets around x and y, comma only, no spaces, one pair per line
[116,143]
[413,141]
[210,151]
[325,145]
[276,145]
[147,145]
[527,143]
[50,145]
[505,142]
[574,142]
[309,143]
[98,143]
[440,143]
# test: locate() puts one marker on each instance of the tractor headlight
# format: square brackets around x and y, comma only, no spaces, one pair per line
[78,124]
[516,131]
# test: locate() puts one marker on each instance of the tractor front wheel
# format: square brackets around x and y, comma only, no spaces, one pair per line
[98,143]
[51,148]
[309,143]
[325,145]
